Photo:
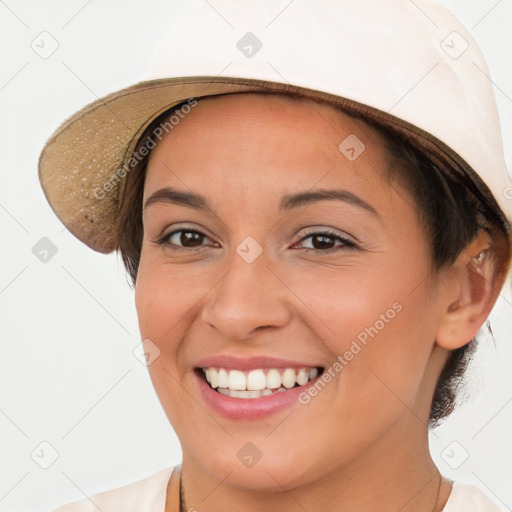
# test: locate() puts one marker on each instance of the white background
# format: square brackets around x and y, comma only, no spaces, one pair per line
[69,326]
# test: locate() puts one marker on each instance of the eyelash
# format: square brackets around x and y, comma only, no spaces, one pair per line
[346,243]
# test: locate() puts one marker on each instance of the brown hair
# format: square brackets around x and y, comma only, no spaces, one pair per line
[450,213]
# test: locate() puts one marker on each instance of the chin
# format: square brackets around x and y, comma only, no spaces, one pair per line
[240,467]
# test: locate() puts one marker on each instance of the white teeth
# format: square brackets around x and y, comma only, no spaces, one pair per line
[234,393]
[237,380]
[288,378]
[256,383]
[213,378]
[302,376]
[273,379]
[223,379]
[256,380]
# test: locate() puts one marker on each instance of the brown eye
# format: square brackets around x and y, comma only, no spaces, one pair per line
[325,242]
[183,238]
[190,238]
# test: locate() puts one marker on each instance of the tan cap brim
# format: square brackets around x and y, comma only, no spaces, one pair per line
[82,167]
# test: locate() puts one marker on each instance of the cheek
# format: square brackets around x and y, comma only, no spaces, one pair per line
[379,325]
[162,307]
[164,297]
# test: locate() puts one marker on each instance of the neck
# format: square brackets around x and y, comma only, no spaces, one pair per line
[396,473]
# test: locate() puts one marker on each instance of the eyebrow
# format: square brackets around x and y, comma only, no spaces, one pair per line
[288,202]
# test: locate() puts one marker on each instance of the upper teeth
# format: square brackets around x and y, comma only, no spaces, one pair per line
[257,379]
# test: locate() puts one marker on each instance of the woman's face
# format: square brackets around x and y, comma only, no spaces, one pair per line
[247,281]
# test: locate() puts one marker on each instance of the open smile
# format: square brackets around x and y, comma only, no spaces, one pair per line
[258,382]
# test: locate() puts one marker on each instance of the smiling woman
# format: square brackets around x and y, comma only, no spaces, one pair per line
[311,270]
[447,212]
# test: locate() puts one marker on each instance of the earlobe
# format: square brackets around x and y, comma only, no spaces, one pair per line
[471,291]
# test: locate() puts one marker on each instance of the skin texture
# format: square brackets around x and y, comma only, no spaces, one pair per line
[361,443]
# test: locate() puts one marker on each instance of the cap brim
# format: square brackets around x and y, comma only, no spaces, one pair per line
[82,166]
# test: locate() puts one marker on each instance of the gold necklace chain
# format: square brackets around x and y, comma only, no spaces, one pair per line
[182,494]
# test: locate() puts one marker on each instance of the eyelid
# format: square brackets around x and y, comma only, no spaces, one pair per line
[164,239]
[346,241]
[186,227]
[318,230]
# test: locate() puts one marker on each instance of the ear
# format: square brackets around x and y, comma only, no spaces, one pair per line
[471,288]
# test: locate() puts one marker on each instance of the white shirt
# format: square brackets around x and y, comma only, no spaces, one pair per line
[148,495]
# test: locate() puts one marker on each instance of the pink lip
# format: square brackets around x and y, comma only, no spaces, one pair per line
[251,363]
[249,408]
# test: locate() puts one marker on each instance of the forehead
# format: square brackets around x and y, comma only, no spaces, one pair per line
[256,139]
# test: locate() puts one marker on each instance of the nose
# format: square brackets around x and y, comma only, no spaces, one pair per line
[248,297]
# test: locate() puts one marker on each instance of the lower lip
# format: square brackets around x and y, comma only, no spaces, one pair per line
[249,408]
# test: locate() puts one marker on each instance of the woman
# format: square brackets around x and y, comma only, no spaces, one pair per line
[314,247]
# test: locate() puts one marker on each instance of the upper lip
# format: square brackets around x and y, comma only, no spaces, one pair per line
[250,363]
